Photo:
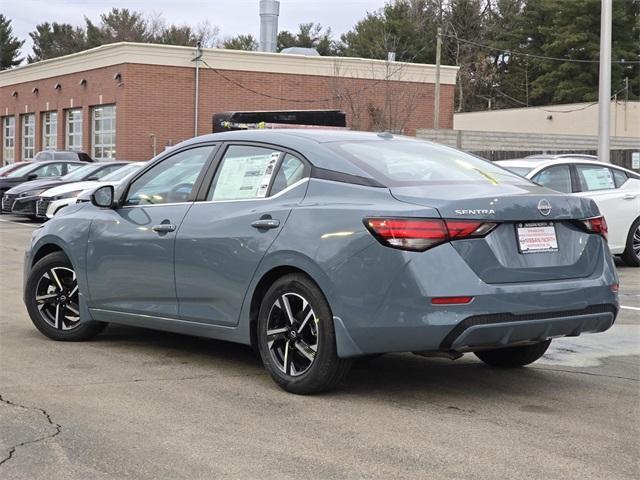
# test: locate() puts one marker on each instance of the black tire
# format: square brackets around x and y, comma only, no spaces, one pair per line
[513,357]
[325,370]
[63,328]
[630,257]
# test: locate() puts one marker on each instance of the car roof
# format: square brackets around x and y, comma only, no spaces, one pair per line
[312,143]
[538,164]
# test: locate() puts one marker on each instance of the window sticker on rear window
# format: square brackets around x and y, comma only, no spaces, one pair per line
[596,178]
[245,173]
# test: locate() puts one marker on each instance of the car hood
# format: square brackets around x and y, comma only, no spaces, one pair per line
[33,184]
[506,202]
[69,187]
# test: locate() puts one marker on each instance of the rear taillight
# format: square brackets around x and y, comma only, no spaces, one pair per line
[420,234]
[596,225]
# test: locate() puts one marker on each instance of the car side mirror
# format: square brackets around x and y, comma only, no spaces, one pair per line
[32,176]
[103,197]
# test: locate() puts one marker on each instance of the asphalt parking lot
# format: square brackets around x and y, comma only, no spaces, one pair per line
[140,404]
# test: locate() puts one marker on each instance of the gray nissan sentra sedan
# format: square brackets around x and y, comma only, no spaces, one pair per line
[318,247]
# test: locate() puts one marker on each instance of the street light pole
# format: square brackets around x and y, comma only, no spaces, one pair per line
[604,91]
[436,100]
[196,112]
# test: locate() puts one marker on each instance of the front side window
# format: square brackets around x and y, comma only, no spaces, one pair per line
[556,178]
[49,130]
[49,170]
[73,134]
[28,136]
[594,177]
[9,139]
[103,132]
[244,173]
[170,181]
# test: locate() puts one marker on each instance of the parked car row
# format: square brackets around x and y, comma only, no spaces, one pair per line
[41,189]
[615,190]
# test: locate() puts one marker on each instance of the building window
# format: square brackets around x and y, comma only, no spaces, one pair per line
[49,130]
[73,136]
[28,136]
[103,132]
[9,139]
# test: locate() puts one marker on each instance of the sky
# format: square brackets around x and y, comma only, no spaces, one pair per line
[231,16]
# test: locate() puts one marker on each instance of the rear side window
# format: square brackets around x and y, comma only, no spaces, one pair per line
[291,171]
[556,178]
[619,177]
[244,173]
[405,162]
[594,177]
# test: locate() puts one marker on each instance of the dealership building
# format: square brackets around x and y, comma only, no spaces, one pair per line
[130,101]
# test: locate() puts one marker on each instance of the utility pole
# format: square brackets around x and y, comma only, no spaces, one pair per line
[436,100]
[197,95]
[604,91]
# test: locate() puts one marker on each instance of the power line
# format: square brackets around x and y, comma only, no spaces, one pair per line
[531,55]
[300,100]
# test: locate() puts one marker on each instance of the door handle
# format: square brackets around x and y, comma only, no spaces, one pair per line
[629,196]
[266,223]
[164,228]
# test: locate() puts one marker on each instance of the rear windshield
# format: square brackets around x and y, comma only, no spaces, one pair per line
[403,162]
[523,171]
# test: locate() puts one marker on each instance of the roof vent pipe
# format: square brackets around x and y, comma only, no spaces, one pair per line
[269,11]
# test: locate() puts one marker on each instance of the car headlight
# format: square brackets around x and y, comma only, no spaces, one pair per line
[75,193]
[32,193]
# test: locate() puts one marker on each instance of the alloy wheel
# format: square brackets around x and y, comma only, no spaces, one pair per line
[635,243]
[57,298]
[292,334]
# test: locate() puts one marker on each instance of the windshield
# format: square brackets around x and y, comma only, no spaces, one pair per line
[523,171]
[122,172]
[19,172]
[12,167]
[416,163]
[80,173]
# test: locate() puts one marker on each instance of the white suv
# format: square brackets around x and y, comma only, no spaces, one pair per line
[615,190]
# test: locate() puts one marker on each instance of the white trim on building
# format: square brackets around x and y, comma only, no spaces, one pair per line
[223,59]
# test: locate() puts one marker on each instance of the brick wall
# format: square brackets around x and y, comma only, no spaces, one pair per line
[159,101]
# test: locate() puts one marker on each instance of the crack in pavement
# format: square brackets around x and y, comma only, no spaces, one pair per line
[579,372]
[13,448]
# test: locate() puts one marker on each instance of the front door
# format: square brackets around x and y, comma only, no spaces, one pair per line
[223,238]
[130,264]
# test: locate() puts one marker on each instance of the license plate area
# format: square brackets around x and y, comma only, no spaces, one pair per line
[536,237]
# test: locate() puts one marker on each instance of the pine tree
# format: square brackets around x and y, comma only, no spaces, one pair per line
[9,45]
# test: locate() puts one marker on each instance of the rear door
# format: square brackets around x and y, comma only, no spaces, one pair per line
[224,237]
[598,183]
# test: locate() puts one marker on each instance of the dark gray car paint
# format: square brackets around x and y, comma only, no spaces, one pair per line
[380,297]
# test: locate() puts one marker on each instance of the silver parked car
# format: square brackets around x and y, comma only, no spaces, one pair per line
[318,247]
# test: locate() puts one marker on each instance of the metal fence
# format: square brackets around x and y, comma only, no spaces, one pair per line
[506,145]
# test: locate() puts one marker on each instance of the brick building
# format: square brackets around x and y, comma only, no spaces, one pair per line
[128,101]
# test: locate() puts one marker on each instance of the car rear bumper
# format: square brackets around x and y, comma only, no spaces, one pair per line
[405,320]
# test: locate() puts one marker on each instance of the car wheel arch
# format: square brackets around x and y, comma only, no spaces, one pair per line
[47,249]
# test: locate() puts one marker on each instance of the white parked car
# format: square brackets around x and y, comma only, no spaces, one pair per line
[55,199]
[615,190]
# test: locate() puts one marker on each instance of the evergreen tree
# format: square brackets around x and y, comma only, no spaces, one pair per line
[52,40]
[9,45]
[309,35]
[241,42]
